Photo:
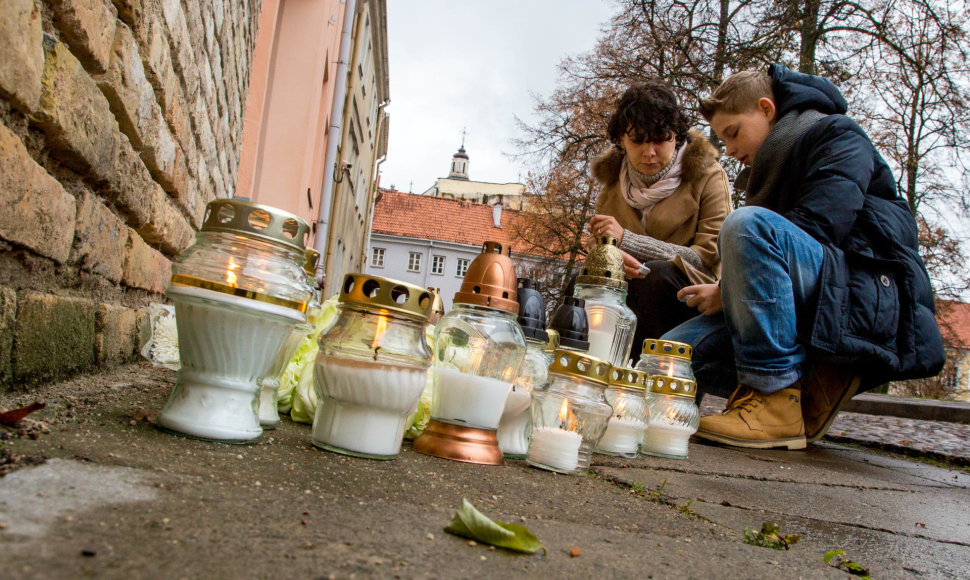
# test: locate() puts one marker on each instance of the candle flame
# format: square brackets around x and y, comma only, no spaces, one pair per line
[620,407]
[670,371]
[230,275]
[567,419]
[379,332]
[596,319]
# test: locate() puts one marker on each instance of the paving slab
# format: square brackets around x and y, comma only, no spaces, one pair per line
[136,502]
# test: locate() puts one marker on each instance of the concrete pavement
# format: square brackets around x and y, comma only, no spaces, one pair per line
[116,497]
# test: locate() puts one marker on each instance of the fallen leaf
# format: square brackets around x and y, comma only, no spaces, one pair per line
[575,552]
[472,524]
[10,418]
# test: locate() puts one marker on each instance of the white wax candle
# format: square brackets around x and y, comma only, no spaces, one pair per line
[363,405]
[666,440]
[601,343]
[555,448]
[513,437]
[466,399]
[622,436]
[269,415]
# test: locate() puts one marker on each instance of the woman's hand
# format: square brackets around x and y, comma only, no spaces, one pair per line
[606,225]
[631,266]
[706,298]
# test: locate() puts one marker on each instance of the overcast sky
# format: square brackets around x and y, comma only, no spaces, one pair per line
[473,64]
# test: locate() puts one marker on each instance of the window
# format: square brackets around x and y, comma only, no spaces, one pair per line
[438,265]
[377,259]
[414,262]
[462,267]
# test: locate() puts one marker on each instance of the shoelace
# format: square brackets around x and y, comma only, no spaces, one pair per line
[742,397]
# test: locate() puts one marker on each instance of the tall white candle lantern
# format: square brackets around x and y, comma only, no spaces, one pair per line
[514,428]
[569,414]
[602,285]
[478,348]
[371,367]
[630,413]
[239,292]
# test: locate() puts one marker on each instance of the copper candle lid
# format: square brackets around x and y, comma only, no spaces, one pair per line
[604,265]
[666,348]
[459,443]
[490,280]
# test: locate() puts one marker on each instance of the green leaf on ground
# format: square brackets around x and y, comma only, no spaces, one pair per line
[848,565]
[769,537]
[472,524]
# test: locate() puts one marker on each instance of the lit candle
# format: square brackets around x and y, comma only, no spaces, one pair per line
[365,406]
[467,399]
[555,447]
[622,436]
[512,436]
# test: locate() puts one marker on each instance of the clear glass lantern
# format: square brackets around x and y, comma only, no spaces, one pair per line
[626,394]
[514,427]
[478,348]
[570,414]
[674,416]
[239,293]
[667,358]
[371,367]
[602,285]
[269,416]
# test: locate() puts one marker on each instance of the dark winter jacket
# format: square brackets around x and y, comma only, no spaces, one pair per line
[875,305]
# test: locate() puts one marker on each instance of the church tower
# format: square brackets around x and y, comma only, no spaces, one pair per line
[459,162]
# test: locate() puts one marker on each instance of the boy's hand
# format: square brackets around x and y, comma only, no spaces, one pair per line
[606,225]
[631,266]
[706,298]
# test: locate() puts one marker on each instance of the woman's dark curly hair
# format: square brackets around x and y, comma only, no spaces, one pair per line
[648,112]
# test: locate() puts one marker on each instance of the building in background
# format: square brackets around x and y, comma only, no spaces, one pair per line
[430,241]
[315,126]
[459,186]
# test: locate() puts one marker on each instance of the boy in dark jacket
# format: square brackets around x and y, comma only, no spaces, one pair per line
[823,292]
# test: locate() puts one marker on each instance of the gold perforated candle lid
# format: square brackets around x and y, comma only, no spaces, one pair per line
[490,280]
[675,386]
[270,224]
[667,348]
[580,365]
[310,262]
[604,265]
[386,294]
[629,378]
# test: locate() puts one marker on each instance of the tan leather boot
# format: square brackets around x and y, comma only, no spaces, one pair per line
[827,389]
[756,420]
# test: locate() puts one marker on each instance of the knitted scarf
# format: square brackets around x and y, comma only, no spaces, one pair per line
[645,191]
[762,179]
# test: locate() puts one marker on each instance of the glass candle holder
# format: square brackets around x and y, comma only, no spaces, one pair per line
[667,358]
[570,414]
[269,416]
[602,285]
[514,427]
[371,367]
[239,292]
[626,394]
[674,416]
[478,349]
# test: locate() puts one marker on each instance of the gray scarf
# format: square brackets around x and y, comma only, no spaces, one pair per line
[760,181]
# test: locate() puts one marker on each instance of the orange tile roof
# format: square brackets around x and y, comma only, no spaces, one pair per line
[954,320]
[447,220]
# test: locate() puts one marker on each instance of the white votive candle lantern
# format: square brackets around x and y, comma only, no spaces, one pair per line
[674,416]
[630,413]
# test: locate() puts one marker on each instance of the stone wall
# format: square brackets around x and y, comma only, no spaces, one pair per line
[119,121]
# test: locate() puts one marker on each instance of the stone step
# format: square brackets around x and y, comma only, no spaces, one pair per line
[910,408]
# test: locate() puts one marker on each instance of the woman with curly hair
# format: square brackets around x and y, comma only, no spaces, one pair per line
[664,198]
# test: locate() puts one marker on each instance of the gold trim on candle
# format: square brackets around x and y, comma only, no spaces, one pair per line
[192,281]
[629,378]
[393,296]
[580,365]
[672,386]
[667,348]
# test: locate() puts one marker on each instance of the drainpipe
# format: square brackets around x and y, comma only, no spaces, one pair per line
[333,137]
[376,184]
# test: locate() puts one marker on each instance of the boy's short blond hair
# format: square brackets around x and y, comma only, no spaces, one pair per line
[738,94]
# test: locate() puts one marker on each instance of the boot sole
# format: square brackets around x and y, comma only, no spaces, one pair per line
[790,443]
[849,392]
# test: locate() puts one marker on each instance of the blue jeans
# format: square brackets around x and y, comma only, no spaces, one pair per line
[769,277]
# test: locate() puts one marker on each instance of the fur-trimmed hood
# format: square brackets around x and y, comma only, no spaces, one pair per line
[700,155]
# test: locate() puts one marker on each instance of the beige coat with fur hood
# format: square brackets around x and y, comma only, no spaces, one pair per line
[691,216]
